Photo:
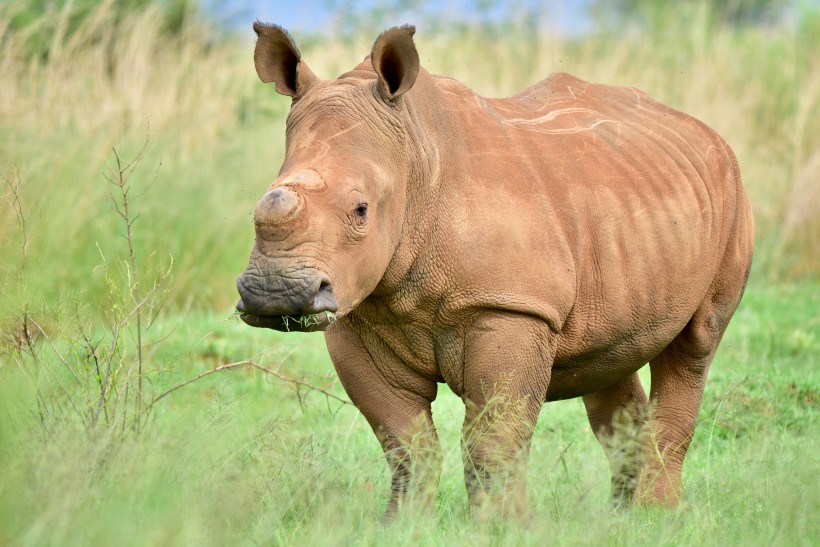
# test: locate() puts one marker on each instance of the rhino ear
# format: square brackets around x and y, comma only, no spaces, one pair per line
[278,60]
[396,61]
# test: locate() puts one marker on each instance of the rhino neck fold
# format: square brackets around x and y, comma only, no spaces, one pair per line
[426,134]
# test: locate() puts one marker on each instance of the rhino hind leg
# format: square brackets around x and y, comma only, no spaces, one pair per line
[617,416]
[678,381]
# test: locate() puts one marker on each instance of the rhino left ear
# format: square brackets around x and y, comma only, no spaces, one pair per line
[396,61]
[278,60]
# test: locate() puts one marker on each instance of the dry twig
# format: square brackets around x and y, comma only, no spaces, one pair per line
[248,363]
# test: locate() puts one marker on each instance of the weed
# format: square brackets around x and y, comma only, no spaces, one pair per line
[98,378]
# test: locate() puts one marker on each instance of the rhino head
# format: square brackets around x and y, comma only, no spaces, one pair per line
[329,225]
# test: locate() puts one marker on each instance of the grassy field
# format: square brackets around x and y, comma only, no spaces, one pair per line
[241,458]
[91,338]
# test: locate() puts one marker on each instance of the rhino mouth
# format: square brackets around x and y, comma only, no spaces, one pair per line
[308,322]
[304,308]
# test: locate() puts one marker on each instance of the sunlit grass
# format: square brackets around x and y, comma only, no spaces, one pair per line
[241,458]
[217,133]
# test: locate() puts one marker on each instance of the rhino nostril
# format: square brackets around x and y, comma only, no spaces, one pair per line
[325,300]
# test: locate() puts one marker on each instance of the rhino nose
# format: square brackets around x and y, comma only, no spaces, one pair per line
[277,207]
[276,296]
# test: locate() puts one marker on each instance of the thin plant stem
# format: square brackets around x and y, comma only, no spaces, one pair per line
[249,363]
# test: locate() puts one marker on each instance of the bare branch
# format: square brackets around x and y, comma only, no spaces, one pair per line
[120,177]
[17,204]
[248,363]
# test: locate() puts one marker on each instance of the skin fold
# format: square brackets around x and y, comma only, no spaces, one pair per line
[521,250]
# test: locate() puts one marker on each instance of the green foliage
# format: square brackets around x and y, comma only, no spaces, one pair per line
[495,18]
[248,460]
[48,23]
[89,375]
[652,12]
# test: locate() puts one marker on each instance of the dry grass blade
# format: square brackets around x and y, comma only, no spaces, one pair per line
[14,184]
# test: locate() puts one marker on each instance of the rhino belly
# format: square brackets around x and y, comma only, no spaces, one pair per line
[645,262]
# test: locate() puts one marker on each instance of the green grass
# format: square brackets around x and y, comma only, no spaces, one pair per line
[217,133]
[239,457]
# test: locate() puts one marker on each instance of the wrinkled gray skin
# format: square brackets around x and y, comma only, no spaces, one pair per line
[521,250]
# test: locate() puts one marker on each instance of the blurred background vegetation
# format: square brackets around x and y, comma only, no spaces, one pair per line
[81,76]
[98,323]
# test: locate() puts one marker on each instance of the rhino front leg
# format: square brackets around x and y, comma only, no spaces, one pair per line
[507,362]
[617,416]
[397,407]
[414,457]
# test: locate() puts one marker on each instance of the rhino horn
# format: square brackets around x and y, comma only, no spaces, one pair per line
[277,207]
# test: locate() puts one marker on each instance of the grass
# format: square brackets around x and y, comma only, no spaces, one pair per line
[241,458]
[217,135]
[251,456]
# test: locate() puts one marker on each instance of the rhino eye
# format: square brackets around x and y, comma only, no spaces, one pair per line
[361,210]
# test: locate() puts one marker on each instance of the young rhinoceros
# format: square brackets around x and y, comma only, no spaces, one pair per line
[522,250]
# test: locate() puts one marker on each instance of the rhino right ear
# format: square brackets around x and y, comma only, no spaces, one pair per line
[278,60]
[395,61]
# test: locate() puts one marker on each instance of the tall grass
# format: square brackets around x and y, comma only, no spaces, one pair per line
[239,460]
[218,132]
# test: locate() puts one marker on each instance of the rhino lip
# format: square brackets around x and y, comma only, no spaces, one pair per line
[309,322]
[297,317]
[304,322]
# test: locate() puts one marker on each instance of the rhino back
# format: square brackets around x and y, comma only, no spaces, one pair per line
[594,207]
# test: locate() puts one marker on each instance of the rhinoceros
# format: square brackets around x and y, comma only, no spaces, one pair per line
[521,250]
